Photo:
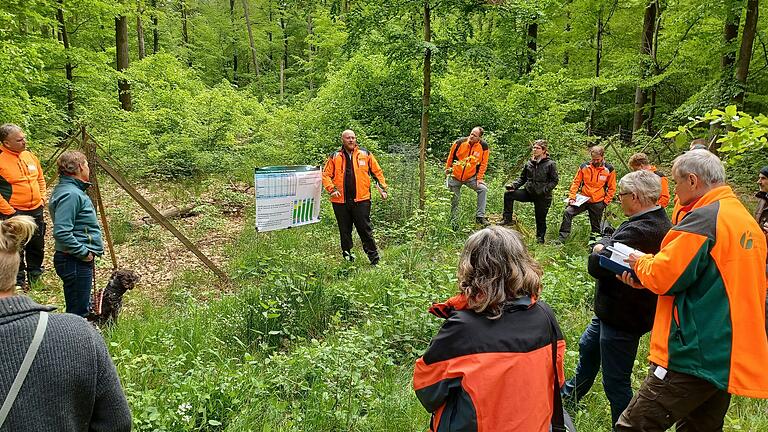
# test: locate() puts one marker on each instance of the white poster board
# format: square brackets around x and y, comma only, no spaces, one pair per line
[287,196]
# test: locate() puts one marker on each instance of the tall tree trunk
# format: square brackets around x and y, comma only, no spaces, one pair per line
[310,51]
[269,32]
[140,32]
[646,46]
[121,43]
[284,62]
[730,36]
[185,33]
[567,32]
[598,59]
[234,39]
[425,100]
[254,63]
[155,31]
[533,34]
[745,51]
[68,65]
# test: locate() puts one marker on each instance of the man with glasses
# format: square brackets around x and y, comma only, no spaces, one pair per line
[595,179]
[708,339]
[622,314]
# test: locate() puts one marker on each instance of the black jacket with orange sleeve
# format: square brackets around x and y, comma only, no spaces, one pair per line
[480,374]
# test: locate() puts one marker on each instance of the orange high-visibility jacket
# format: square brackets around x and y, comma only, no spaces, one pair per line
[468,160]
[598,183]
[710,278]
[664,197]
[365,165]
[22,184]
[489,375]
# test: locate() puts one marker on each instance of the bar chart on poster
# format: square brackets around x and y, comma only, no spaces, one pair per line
[287,196]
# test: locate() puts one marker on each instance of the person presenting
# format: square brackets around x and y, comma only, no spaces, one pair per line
[71,384]
[466,165]
[622,314]
[347,178]
[493,364]
[76,231]
[595,179]
[708,339]
[639,161]
[22,192]
[538,179]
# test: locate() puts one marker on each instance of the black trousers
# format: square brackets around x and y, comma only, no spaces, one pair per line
[357,214]
[31,264]
[541,204]
[595,216]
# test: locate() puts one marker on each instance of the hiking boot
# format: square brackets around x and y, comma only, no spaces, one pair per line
[348,256]
[482,221]
[511,221]
[540,240]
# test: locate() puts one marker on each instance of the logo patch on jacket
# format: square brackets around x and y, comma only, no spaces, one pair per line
[361,162]
[32,167]
[746,240]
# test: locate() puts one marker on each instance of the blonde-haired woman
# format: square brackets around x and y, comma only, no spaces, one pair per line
[492,364]
[55,371]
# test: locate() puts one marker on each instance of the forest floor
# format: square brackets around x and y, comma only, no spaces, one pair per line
[300,340]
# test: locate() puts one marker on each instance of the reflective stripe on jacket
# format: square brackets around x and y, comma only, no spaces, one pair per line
[22,184]
[465,159]
[710,276]
[598,183]
[365,165]
[480,374]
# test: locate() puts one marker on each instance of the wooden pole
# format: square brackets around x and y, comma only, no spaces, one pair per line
[89,147]
[149,208]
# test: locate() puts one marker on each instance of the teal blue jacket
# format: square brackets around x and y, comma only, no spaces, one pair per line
[75,227]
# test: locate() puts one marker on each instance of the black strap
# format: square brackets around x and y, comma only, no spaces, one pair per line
[558,420]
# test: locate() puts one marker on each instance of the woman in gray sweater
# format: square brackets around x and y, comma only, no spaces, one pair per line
[71,384]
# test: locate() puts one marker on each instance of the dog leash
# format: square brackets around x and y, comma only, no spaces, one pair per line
[21,375]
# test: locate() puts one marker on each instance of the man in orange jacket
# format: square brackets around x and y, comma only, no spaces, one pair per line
[708,339]
[347,177]
[639,161]
[22,192]
[466,165]
[597,181]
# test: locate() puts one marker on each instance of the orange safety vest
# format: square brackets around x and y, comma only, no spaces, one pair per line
[598,183]
[468,160]
[22,184]
[365,165]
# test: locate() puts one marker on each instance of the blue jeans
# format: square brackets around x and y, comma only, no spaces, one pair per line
[616,350]
[77,276]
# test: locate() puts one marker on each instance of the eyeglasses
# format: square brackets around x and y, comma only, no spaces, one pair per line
[621,194]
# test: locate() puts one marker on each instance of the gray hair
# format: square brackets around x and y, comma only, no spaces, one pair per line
[69,162]
[646,186]
[704,164]
[495,268]
[7,129]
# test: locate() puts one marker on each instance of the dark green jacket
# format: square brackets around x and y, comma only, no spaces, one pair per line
[75,227]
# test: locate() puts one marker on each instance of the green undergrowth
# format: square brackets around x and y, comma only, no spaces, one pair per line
[304,341]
